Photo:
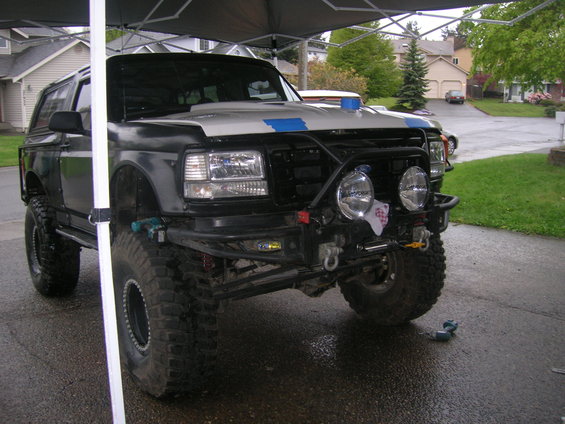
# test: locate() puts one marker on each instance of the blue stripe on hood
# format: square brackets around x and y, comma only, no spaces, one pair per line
[289,124]
[418,123]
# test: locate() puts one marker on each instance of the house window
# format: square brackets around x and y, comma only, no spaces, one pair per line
[456,61]
[3,43]
[204,45]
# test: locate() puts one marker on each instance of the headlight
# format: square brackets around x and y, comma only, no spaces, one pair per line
[355,195]
[413,188]
[437,159]
[224,175]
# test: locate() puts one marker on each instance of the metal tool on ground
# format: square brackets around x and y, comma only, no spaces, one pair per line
[447,333]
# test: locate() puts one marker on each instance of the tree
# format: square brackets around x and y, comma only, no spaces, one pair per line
[414,72]
[371,57]
[323,75]
[412,29]
[112,34]
[529,52]
[290,55]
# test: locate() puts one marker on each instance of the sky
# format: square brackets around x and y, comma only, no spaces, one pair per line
[427,23]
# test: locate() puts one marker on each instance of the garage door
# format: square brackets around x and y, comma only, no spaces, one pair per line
[432,92]
[450,85]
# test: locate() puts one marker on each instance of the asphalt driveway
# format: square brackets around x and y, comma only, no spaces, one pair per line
[482,136]
[287,358]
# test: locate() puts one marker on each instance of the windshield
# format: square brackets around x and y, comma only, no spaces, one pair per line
[147,88]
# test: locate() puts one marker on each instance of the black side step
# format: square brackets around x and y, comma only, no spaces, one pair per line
[84,239]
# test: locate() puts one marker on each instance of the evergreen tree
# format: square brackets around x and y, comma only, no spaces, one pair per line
[412,29]
[414,70]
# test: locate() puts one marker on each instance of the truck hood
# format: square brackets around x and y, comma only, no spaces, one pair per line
[236,118]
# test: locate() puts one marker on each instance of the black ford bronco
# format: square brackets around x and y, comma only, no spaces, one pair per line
[224,185]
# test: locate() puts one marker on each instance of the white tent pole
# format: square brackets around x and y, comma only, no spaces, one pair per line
[100,214]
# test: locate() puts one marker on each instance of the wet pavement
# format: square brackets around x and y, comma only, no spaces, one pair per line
[483,136]
[287,358]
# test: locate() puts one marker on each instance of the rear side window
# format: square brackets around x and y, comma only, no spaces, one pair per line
[83,104]
[51,102]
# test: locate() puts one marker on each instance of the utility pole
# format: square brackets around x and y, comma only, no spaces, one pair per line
[303,65]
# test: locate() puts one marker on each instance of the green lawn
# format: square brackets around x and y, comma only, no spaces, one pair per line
[383,101]
[495,107]
[518,192]
[9,149]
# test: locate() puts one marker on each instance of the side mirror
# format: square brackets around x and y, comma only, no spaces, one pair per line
[67,122]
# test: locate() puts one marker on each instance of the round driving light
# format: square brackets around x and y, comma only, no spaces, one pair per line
[413,188]
[355,195]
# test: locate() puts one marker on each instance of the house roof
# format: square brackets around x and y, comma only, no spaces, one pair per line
[6,62]
[226,48]
[36,32]
[284,67]
[431,47]
[12,66]
[131,43]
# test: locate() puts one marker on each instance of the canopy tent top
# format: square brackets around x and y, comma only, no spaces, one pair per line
[255,23]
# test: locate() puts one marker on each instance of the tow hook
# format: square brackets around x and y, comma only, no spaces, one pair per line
[421,234]
[154,227]
[331,258]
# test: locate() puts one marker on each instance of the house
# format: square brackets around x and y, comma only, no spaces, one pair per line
[444,73]
[462,55]
[156,42]
[317,53]
[518,93]
[27,64]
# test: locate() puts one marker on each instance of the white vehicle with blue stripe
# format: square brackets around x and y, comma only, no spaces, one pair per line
[225,184]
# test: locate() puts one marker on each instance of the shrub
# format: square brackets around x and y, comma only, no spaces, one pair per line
[547,102]
[323,76]
[536,98]
[550,111]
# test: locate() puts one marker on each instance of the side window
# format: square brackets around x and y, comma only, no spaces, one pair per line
[83,103]
[52,101]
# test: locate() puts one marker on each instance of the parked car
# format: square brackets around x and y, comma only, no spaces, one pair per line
[452,141]
[332,96]
[223,186]
[455,96]
[378,107]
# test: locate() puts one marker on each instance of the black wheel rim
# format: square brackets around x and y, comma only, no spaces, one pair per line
[451,147]
[137,319]
[385,276]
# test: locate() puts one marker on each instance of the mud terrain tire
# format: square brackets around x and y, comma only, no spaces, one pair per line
[166,315]
[405,287]
[54,262]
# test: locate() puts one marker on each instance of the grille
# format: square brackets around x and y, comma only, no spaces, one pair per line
[300,169]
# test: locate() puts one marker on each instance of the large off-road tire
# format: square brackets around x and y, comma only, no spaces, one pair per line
[54,262]
[166,315]
[405,286]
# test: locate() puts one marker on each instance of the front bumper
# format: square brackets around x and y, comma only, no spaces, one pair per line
[284,239]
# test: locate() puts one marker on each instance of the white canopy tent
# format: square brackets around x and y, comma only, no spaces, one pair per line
[271,24]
